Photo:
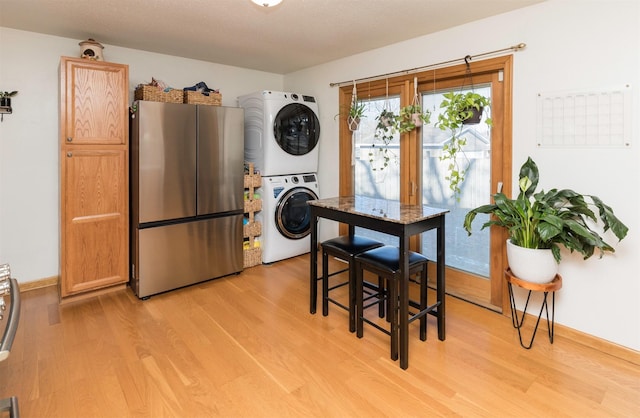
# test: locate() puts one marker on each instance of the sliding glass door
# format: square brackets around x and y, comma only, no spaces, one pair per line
[468,258]
[415,173]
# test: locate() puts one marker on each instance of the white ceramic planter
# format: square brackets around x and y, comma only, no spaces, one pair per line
[536,266]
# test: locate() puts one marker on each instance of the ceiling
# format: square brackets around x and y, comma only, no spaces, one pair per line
[294,35]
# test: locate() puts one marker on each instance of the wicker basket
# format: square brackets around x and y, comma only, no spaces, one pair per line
[154,94]
[252,205]
[252,180]
[252,257]
[252,229]
[195,97]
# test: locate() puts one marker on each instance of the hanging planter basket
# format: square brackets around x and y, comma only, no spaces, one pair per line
[386,119]
[475,116]
[354,123]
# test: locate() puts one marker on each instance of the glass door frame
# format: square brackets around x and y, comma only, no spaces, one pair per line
[499,72]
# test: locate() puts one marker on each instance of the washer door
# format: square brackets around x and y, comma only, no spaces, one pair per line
[293,217]
[296,129]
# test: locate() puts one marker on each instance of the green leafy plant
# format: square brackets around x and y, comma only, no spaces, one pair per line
[458,108]
[356,110]
[386,129]
[7,93]
[548,220]
[411,117]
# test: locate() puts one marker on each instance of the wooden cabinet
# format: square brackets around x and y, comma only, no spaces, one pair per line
[94,175]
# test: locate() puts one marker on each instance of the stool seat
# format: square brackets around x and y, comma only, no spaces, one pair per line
[350,246]
[346,247]
[388,258]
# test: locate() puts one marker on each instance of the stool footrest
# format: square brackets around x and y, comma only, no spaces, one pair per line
[378,327]
[428,310]
[370,289]
[338,286]
[335,273]
[337,303]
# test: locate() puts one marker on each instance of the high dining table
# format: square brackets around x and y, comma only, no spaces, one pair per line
[390,217]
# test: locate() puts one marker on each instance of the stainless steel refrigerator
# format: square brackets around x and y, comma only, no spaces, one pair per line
[187,194]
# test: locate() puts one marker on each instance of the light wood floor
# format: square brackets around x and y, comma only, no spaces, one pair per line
[246,346]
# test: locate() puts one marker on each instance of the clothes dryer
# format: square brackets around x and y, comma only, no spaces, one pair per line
[285,215]
[281,133]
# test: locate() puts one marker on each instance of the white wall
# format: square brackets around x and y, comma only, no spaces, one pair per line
[29,170]
[574,45]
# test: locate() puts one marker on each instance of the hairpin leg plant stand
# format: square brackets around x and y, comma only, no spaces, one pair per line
[546,288]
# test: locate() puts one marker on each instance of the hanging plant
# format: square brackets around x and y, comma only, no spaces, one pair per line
[386,129]
[5,97]
[411,117]
[356,113]
[458,109]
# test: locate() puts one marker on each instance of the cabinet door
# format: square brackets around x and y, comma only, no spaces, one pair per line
[94,107]
[95,244]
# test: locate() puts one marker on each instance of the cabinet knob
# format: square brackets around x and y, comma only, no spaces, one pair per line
[69,139]
[69,154]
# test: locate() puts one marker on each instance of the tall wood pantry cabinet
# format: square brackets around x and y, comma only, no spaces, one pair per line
[94,175]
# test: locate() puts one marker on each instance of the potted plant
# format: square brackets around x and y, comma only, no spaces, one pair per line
[546,221]
[354,114]
[459,108]
[411,117]
[5,97]
[386,129]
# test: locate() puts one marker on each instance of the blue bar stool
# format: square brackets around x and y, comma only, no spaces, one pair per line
[345,248]
[385,263]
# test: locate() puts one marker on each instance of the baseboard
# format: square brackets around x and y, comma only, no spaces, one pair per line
[38,284]
[599,344]
[588,340]
[53,281]
[92,293]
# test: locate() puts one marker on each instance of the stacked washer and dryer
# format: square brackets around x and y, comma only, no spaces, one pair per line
[281,140]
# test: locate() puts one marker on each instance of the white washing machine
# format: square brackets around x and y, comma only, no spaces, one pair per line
[281,132]
[285,215]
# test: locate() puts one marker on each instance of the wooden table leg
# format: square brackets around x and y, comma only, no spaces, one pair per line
[313,262]
[440,280]
[404,302]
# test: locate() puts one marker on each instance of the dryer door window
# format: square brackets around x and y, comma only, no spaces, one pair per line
[296,129]
[293,217]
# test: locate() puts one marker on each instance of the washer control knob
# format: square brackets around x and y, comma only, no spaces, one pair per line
[294,180]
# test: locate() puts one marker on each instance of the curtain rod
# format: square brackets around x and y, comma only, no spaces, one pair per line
[414,70]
